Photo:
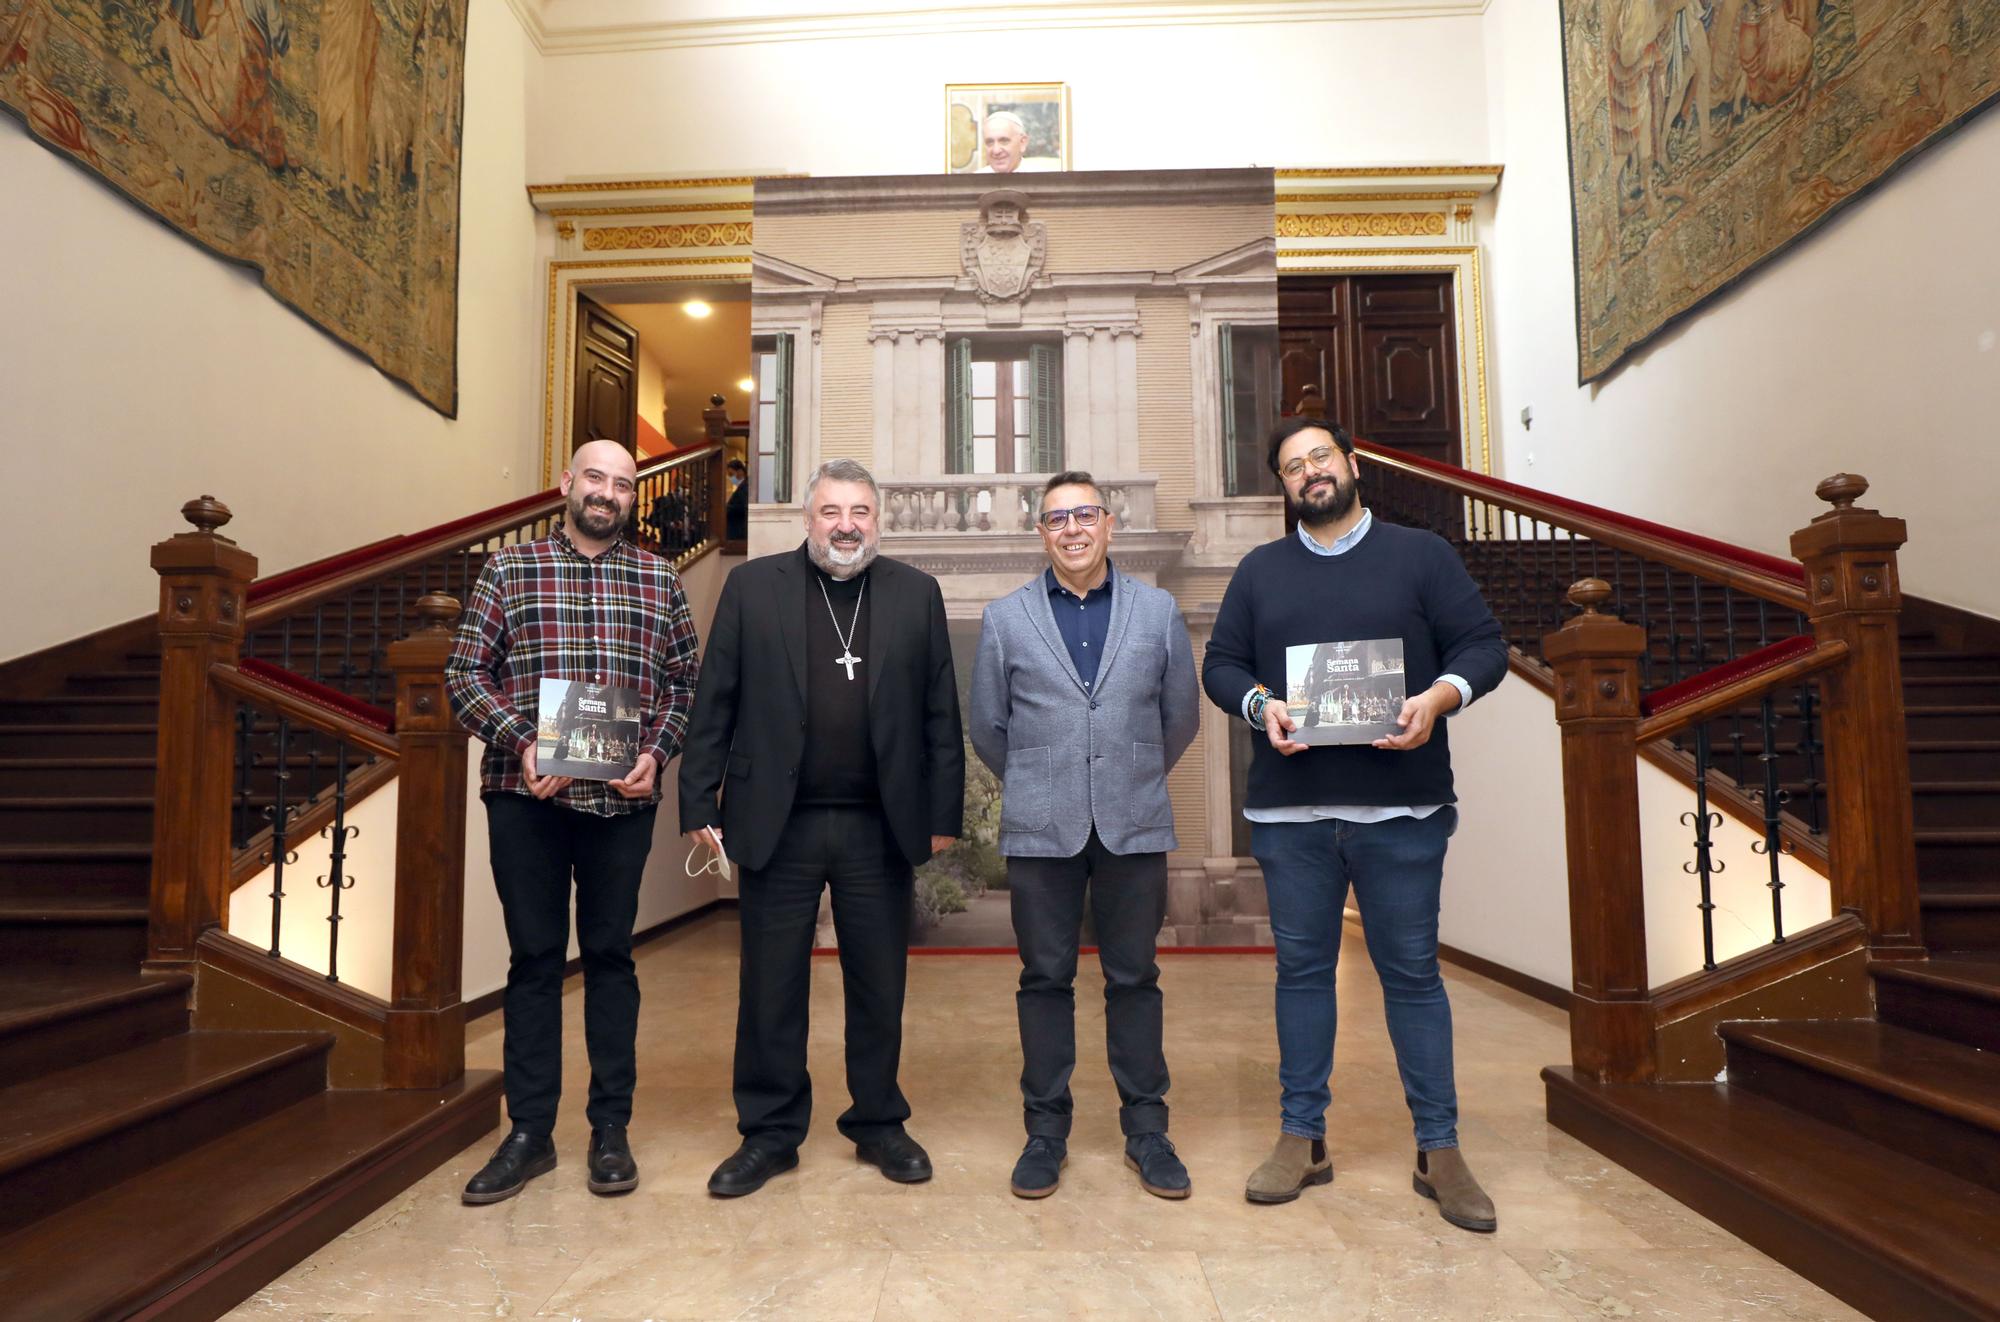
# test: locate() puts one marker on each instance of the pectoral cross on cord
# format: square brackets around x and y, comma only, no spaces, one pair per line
[846,657]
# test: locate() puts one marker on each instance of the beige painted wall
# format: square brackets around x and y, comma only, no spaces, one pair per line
[652,392]
[1873,347]
[1141,98]
[138,371]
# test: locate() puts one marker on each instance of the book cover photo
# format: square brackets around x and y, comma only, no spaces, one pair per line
[1344,692]
[587,731]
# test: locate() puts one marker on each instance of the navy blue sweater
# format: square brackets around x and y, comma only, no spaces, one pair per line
[1396,582]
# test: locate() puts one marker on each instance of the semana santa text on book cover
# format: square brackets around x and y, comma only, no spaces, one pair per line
[1344,692]
[587,731]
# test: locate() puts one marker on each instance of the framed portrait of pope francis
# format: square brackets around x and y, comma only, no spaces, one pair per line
[1006,128]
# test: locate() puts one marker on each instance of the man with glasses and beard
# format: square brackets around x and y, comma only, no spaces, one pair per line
[827,723]
[582,603]
[1373,817]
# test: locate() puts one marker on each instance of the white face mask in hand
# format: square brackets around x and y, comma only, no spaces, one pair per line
[717,861]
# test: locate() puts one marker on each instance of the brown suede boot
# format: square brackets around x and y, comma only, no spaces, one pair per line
[1442,1175]
[1293,1164]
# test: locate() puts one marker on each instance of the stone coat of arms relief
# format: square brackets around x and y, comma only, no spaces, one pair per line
[1003,251]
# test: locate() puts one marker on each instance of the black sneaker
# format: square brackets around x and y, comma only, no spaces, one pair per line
[520,1157]
[1160,1170]
[1039,1170]
[611,1167]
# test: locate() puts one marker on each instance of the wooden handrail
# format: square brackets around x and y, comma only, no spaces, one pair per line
[457,535]
[303,710]
[1742,573]
[1726,698]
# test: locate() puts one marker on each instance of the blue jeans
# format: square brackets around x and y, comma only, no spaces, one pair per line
[1396,868]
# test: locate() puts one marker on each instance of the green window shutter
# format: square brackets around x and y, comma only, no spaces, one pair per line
[1045,436]
[781,446]
[1227,354]
[958,406]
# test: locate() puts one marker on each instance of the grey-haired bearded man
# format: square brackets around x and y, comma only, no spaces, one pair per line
[825,744]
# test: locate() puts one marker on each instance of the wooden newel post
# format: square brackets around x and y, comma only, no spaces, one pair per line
[425,1046]
[718,495]
[1852,593]
[1596,660]
[202,580]
[715,418]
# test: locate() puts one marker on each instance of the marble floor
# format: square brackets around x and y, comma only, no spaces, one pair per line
[1578,1237]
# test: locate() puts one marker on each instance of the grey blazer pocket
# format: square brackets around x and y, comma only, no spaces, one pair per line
[1150,804]
[739,765]
[1027,798]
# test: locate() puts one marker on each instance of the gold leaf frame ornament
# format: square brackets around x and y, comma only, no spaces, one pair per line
[966,106]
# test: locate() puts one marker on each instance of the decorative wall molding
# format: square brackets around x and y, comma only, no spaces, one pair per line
[617,238]
[1362,225]
[562,32]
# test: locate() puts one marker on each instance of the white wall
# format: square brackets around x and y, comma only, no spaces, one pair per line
[1506,881]
[1873,347]
[1140,98]
[138,370]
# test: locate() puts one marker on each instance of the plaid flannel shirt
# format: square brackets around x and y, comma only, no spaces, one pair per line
[544,610]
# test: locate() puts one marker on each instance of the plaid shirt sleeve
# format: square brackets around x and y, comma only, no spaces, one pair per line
[472,674]
[675,671]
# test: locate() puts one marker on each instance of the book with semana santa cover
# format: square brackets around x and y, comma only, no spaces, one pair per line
[587,731]
[1344,692]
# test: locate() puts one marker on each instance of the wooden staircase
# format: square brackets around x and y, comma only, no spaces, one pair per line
[1833,1099]
[162,1153]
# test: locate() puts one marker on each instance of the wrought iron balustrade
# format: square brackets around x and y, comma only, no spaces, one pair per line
[1701,604]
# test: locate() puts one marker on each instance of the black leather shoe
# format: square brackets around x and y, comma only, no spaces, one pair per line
[1160,1170]
[1039,1170]
[745,1170]
[612,1169]
[520,1157]
[899,1157]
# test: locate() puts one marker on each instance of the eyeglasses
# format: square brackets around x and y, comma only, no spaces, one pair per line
[1084,516]
[1321,458]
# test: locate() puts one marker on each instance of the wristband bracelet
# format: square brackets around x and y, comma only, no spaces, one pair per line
[1259,699]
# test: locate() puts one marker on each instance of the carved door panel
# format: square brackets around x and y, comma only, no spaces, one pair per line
[607,378]
[1406,377]
[1382,352]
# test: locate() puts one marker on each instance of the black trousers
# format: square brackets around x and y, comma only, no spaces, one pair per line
[849,850]
[1128,902]
[537,847]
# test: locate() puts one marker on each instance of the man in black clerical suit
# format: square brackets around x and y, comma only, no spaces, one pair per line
[827,719]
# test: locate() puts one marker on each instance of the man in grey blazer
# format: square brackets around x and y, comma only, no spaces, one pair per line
[1083,695]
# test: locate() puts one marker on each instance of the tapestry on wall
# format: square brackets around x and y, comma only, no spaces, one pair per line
[316,140]
[1707,135]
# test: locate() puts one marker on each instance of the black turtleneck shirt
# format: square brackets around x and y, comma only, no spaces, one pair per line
[839,765]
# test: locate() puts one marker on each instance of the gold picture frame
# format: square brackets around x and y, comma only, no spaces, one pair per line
[1040,111]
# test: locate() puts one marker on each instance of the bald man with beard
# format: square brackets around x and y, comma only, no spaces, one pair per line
[581,604]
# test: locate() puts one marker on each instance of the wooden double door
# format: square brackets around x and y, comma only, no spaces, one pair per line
[606,392]
[1382,352]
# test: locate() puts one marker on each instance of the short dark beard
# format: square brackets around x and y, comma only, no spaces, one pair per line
[1344,496]
[583,518]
